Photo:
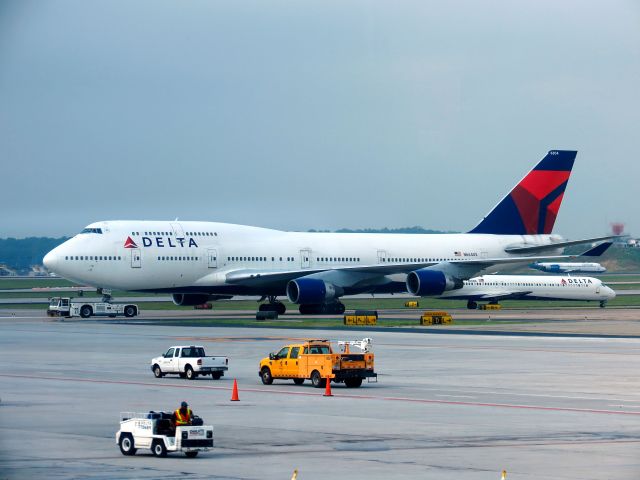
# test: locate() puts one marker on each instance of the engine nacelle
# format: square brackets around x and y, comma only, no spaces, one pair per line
[311,291]
[426,282]
[190,299]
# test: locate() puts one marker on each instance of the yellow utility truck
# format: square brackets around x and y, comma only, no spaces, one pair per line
[315,360]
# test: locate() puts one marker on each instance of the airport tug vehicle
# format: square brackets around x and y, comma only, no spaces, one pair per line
[315,360]
[155,431]
[70,307]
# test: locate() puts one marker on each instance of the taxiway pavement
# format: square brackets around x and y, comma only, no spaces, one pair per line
[446,406]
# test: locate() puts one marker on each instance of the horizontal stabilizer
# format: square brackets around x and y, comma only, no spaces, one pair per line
[552,246]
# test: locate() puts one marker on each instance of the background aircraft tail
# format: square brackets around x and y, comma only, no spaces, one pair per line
[597,250]
[532,206]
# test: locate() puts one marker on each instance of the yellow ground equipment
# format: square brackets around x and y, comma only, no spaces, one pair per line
[490,306]
[436,318]
[412,304]
[316,360]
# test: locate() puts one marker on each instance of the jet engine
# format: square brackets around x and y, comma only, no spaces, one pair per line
[312,291]
[190,299]
[426,282]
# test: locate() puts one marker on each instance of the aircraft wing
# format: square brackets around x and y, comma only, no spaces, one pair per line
[505,295]
[492,296]
[253,277]
[541,248]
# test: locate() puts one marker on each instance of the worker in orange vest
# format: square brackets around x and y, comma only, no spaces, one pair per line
[183,415]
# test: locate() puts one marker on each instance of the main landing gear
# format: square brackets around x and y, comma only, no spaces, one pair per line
[273,306]
[471,305]
[322,308]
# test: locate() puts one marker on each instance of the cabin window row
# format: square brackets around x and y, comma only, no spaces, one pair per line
[515,284]
[187,259]
[92,257]
[338,259]
[171,234]
[258,259]
[416,260]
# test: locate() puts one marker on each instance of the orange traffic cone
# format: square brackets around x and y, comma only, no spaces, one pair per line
[327,390]
[234,393]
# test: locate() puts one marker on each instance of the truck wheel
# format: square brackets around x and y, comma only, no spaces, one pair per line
[317,380]
[266,377]
[298,381]
[216,376]
[126,444]
[158,448]
[129,311]
[191,454]
[157,371]
[86,311]
[353,382]
[189,373]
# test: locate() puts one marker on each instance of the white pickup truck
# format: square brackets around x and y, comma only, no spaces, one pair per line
[189,361]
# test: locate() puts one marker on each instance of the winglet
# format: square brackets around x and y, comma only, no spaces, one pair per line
[532,206]
[597,250]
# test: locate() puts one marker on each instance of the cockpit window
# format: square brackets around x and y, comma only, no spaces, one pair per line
[92,230]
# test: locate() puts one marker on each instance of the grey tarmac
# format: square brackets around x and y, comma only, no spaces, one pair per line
[445,407]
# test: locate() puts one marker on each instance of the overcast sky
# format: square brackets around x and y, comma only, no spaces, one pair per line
[298,115]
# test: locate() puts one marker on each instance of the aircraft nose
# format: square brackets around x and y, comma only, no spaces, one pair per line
[611,294]
[50,260]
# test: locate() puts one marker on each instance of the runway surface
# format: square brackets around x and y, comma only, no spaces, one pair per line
[446,407]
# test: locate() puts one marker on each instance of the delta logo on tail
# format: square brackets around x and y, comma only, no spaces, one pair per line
[531,208]
[129,243]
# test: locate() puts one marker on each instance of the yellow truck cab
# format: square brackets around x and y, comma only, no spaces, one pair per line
[315,360]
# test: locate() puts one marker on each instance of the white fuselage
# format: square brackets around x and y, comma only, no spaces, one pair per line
[532,287]
[199,256]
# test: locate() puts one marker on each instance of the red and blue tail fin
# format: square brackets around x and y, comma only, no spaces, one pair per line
[532,206]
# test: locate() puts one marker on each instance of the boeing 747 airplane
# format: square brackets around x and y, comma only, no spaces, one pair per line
[201,261]
[493,288]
